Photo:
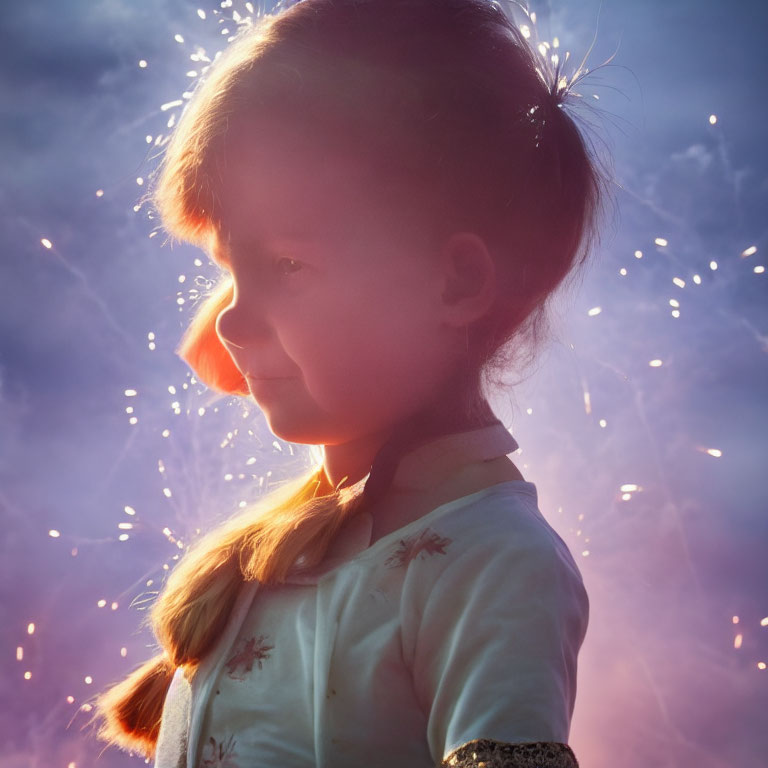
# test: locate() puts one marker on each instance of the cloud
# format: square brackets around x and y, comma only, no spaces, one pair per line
[697,155]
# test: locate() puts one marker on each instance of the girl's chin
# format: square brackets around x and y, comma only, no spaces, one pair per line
[288,424]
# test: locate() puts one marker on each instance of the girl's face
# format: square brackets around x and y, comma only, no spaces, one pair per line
[335,321]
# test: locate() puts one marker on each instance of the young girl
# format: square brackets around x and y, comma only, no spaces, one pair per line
[393,192]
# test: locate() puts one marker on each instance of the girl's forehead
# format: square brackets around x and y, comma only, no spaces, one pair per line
[289,187]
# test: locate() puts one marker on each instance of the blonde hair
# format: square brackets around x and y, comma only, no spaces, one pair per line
[444,99]
[288,530]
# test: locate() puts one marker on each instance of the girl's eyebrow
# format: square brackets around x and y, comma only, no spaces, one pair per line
[221,249]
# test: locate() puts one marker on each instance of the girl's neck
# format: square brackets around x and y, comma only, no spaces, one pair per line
[460,408]
[348,463]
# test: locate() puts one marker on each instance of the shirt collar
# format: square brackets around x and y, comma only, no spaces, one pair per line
[427,465]
[419,470]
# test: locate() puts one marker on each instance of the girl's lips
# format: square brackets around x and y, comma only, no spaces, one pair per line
[267,383]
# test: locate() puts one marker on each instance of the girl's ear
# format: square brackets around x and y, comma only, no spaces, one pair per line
[468,277]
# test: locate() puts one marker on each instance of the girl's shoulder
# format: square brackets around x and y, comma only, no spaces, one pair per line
[502,521]
[506,513]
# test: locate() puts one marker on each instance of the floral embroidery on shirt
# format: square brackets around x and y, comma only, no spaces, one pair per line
[221,754]
[253,649]
[412,546]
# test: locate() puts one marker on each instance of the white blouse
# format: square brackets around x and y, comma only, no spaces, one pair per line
[463,624]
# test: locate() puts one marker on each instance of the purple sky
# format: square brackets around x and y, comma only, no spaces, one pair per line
[661,681]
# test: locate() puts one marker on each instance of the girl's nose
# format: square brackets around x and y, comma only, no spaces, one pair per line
[242,324]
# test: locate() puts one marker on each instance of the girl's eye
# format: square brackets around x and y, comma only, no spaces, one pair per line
[288,266]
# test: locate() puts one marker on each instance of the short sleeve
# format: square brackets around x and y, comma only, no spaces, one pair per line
[492,632]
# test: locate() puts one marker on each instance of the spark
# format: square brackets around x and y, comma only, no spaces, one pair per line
[19,653]
[31,628]
[660,241]
[712,119]
[142,63]
[130,393]
[178,38]
[201,13]
[53,533]
[594,311]
[655,363]
[751,251]
[638,254]
[46,243]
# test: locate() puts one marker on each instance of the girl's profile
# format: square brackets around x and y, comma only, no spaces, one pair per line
[393,191]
